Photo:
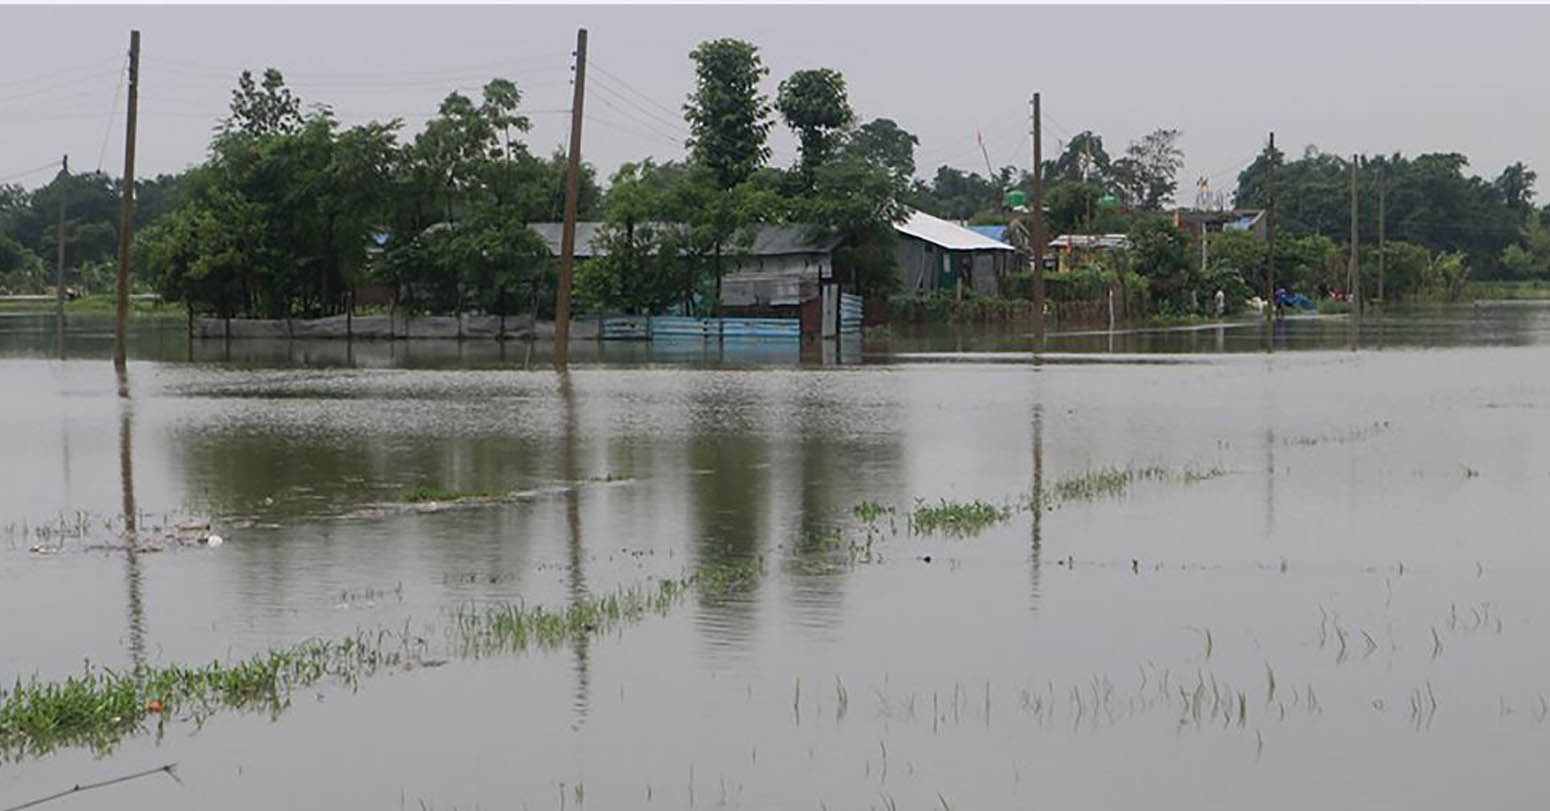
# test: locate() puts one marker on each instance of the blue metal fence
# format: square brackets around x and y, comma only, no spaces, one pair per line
[850,313]
[622,328]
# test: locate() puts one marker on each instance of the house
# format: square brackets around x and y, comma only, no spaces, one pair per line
[935,254]
[1072,250]
[784,265]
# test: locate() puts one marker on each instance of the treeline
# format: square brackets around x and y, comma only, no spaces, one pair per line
[292,213]
[1430,205]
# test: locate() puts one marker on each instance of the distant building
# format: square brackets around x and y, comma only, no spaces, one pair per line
[1196,221]
[934,254]
[783,267]
[1072,250]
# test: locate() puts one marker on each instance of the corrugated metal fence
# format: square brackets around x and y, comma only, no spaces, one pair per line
[625,328]
[850,313]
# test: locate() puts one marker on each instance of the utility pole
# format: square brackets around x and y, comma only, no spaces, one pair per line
[1381,172]
[1038,227]
[1352,273]
[59,267]
[1270,234]
[126,223]
[572,192]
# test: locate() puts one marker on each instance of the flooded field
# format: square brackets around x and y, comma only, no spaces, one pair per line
[1162,569]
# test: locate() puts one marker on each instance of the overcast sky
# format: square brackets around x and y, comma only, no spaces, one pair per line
[1371,79]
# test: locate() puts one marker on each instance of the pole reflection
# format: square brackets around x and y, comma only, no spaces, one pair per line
[133,579]
[581,702]
[1036,549]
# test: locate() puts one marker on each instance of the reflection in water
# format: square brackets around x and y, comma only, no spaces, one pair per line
[578,580]
[729,485]
[1036,548]
[1270,481]
[132,574]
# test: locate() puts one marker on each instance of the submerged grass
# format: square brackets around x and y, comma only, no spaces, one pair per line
[957,518]
[966,518]
[424,495]
[101,706]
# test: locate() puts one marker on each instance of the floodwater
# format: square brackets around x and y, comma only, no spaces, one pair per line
[1350,615]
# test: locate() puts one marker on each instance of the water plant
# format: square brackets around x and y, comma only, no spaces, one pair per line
[100,706]
[957,518]
[425,495]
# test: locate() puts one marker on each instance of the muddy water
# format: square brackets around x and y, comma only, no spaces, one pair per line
[1374,544]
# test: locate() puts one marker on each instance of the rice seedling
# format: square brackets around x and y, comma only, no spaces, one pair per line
[870,511]
[101,706]
[957,519]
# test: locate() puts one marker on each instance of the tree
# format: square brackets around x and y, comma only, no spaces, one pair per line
[728,117]
[728,125]
[1516,186]
[813,103]
[881,142]
[1083,160]
[1147,174]
[647,263]
[263,109]
[20,269]
[1531,259]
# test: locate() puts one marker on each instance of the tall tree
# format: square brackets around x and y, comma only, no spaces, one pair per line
[728,126]
[1147,174]
[813,103]
[263,108]
[728,117]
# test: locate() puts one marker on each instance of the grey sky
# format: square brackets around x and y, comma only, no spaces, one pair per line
[1381,78]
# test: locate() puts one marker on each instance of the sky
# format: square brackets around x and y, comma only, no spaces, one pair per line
[1412,79]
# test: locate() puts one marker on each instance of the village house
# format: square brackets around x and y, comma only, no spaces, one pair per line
[935,254]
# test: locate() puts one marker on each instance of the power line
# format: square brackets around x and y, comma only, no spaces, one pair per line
[33,171]
[628,131]
[671,124]
[192,67]
[54,74]
[112,114]
[637,120]
[648,99]
[50,88]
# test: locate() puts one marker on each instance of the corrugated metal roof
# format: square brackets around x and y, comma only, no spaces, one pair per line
[1090,241]
[585,233]
[947,235]
[995,232]
[768,240]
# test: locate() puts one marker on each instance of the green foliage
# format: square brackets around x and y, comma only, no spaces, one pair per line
[1404,269]
[1147,175]
[20,269]
[882,142]
[1157,248]
[1531,258]
[1429,201]
[728,117]
[957,519]
[652,260]
[813,103]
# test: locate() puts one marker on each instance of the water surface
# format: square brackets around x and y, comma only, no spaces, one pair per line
[1377,534]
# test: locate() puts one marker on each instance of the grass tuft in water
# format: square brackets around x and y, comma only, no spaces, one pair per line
[957,518]
[101,706]
[424,495]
